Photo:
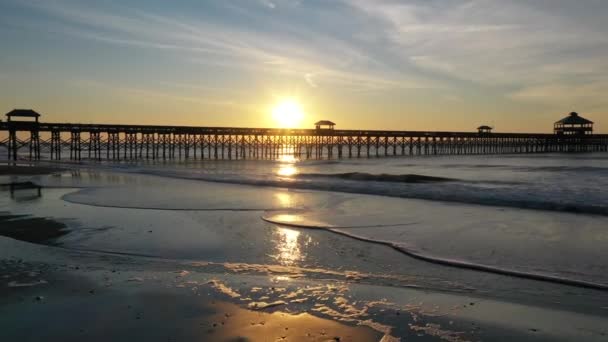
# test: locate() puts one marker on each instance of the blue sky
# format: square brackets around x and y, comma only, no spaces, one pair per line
[432,65]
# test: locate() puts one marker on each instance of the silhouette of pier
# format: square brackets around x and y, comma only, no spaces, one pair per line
[56,141]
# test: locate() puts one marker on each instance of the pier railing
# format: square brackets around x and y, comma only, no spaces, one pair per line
[122,142]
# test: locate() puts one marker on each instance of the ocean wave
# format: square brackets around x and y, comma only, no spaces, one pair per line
[417,253]
[545,168]
[535,196]
[362,176]
[468,192]
[590,169]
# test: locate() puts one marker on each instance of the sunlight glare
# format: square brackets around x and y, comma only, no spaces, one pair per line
[288,113]
[287,171]
[288,246]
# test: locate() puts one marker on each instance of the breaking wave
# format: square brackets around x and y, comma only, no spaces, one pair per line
[490,193]
[574,194]
[416,253]
[362,176]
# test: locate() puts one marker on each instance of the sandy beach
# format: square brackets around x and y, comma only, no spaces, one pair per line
[73,271]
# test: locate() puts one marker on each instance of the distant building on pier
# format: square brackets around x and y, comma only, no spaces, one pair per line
[324,124]
[484,129]
[22,113]
[573,124]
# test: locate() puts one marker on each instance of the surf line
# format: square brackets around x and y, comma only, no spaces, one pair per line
[114,206]
[452,262]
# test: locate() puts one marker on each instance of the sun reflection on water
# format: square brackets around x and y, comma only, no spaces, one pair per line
[286,200]
[287,158]
[287,168]
[286,218]
[289,246]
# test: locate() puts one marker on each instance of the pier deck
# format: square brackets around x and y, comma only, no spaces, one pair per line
[31,140]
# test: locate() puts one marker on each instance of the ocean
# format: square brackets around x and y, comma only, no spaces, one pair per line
[527,228]
[544,214]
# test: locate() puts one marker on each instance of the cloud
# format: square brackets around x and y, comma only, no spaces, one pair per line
[517,50]
[143,93]
[564,94]
[268,4]
[301,51]
[538,48]
[309,79]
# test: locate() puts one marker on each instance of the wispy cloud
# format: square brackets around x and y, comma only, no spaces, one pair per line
[520,53]
[152,94]
[477,40]
[539,49]
[332,60]
[310,80]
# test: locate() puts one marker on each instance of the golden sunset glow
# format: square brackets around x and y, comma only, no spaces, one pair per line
[288,113]
[288,247]
[285,200]
[287,168]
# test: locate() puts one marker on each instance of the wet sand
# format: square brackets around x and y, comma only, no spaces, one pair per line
[31,229]
[48,293]
[27,170]
[22,227]
[55,293]
[75,313]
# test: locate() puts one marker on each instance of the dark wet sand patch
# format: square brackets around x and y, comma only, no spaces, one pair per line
[31,229]
[78,311]
[22,170]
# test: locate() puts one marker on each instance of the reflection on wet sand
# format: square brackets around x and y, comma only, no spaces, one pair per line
[24,191]
[289,247]
[285,200]
[232,323]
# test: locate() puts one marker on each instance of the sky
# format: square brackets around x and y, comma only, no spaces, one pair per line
[447,65]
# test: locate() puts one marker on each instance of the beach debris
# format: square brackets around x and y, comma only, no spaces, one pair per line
[435,330]
[264,305]
[182,273]
[221,287]
[199,264]
[389,338]
[18,284]
[298,300]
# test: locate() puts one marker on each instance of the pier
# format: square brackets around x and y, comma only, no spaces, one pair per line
[56,141]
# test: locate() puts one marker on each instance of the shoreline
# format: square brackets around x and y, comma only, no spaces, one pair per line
[136,297]
[160,300]
[29,170]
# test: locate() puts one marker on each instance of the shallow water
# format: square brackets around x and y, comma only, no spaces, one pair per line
[212,211]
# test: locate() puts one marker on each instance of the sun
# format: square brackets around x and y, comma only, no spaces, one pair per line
[288,113]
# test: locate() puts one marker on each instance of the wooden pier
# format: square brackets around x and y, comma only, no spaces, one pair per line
[56,141]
